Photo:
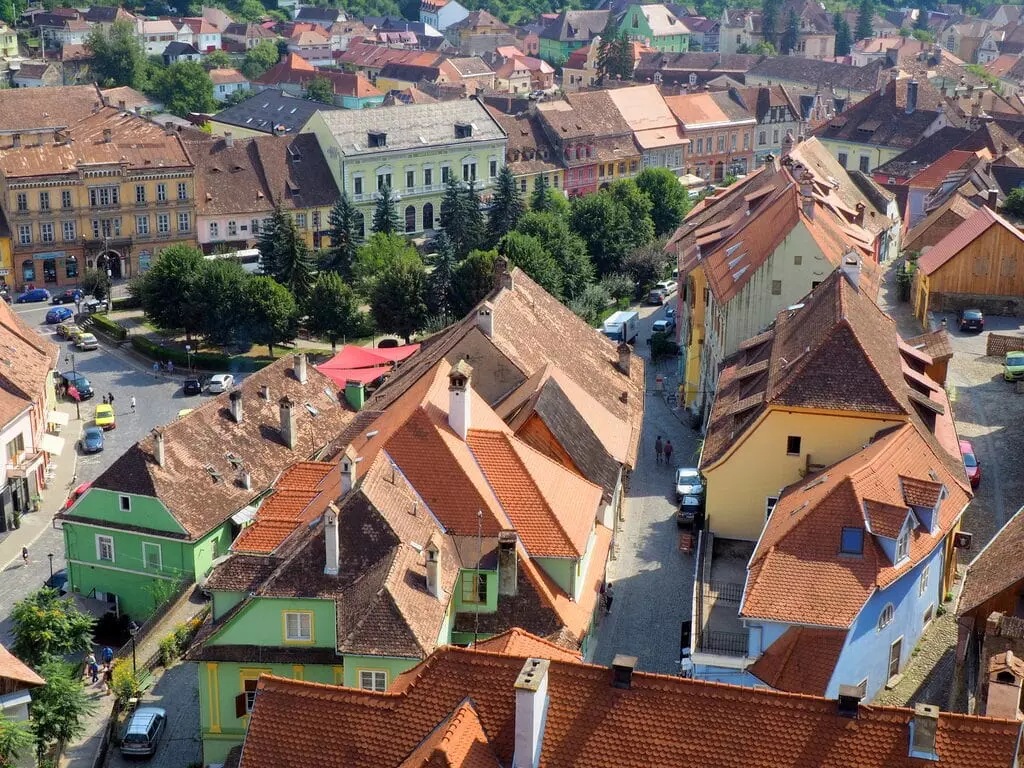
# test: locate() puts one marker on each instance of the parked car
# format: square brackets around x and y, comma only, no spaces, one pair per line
[668,286]
[91,305]
[79,382]
[58,581]
[221,382]
[657,296]
[64,329]
[70,296]
[1013,366]
[76,494]
[663,326]
[58,315]
[142,734]
[75,333]
[105,416]
[192,387]
[971,463]
[670,312]
[688,482]
[36,294]
[689,510]
[87,341]
[970,320]
[92,440]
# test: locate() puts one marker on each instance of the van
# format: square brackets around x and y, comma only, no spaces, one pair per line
[142,734]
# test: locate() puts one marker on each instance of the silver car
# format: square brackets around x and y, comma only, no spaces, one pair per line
[142,734]
[688,482]
[222,382]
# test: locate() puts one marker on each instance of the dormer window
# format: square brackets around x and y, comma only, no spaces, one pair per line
[852,541]
[376,139]
[902,546]
[463,130]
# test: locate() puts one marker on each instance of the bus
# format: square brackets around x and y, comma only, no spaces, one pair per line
[249,258]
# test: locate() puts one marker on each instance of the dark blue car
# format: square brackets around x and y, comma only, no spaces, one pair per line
[36,294]
[58,315]
[92,440]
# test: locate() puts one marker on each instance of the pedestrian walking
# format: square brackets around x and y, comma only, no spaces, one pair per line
[132,403]
[110,397]
[92,668]
[668,451]
[24,554]
[657,450]
[170,366]
[156,368]
[608,597]
[108,678]
[104,399]
[108,655]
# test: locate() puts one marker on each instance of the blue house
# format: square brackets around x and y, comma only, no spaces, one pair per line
[850,569]
[441,14]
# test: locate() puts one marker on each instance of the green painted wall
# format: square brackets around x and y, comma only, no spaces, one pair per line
[561,569]
[262,623]
[146,511]
[555,52]
[491,604]
[393,666]
[210,547]
[224,602]
[635,25]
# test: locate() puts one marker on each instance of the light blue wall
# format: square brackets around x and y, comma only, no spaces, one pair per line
[726,675]
[761,635]
[355,102]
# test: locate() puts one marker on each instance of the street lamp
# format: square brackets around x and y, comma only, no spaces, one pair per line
[188,356]
[51,568]
[133,630]
[70,357]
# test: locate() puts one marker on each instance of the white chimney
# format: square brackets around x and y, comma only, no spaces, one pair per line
[158,447]
[265,391]
[922,731]
[348,472]
[851,270]
[531,712]
[432,557]
[288,425]
[458,398]
[246,479]
[485,320]
[235,402]
[300,368]
[332,548]
[229,139]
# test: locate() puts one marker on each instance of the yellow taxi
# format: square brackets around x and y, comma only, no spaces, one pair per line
[65,328]
[105,416]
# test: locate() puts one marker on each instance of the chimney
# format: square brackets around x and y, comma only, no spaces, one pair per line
[859,218]
[769,163]
[992,198]
[246,479]
[122,106]
[15,140]
[975,109]
[229,139]
[922,731]
[458,398]
[851,270]
[911,97]
[265,391]
[235,403]
[508,563]
[169,128]
[625,357]
[288,426]
[502,275]
[432,560]
[622,671]
[485,319]
[348,471]
[331,546]
[787,144]
[355,394]
[807,193]
[1005,682]
[531,712]
[299,367]
[158,447]
[108,135]
[848,703]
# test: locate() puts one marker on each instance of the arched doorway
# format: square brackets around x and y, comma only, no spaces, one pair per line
[428,216]
[110,262]
[410,218]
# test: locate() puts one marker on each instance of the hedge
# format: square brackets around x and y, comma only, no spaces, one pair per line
[210,361]
[109,327]
[128,302]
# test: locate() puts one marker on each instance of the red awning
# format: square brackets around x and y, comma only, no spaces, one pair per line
[341,376]
[352,356]
[397,354]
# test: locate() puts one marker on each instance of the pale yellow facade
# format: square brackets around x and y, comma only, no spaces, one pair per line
[696,305]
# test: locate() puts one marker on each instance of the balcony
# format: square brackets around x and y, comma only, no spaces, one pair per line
[22,463]
[719,637]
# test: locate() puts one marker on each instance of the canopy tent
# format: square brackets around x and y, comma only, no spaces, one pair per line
[363,364]
[341,376]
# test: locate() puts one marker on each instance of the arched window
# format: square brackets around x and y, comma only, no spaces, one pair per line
[885,617]
[410,218]
[428,216]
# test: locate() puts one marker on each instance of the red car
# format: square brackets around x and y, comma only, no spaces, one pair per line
[76,495]
[971,463]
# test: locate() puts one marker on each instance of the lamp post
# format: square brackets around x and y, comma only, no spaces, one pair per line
[188,356]
[70,357]
[51,567]
[133,630]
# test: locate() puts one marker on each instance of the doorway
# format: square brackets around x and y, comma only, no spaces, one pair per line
[110,261]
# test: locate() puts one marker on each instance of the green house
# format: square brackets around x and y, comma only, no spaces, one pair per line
[657,27]
[569,31]
[159,517]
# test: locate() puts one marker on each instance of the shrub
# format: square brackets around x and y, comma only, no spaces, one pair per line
[169,649]
[105,325]
[210,361]
[124,681]
[662,346]
[127,302]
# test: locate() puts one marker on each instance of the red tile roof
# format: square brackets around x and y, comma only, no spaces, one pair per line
[965,234]
[516,642]
[998,567]
[299,497]
[802,660]
[12,668]
[659,721]
[797,573]
[459,741]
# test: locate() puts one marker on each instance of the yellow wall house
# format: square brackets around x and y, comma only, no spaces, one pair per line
[108,193]
[812,390]
[413,149]
[8,42]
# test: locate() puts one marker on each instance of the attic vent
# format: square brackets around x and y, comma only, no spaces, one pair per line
[312,411]
[294,154]
[376,139]
[236,462]
[463,130]
[213,473]
[799,509]
[815,481]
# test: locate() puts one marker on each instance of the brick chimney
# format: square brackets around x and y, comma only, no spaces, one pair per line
[108,135]
[625,357]
[332,548]
[159,452]
[458,398]
[1005,682]
[508,563]
[235,404]
[531,712]
[289,427]
[807,193]
[300,368]
[502,274]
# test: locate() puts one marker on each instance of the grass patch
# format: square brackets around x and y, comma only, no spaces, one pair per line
[611,310]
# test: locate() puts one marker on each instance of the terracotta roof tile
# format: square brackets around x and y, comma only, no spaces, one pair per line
[935,344]
[918,492]
[516,642]
[802,660]
[26,361]
[299,497]
[996,568]
[661,720]
[12,668]
[458,741]
[36,108]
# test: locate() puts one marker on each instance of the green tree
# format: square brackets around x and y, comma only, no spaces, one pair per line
[399,299]
[320,89]
[217,60]
[865,14]
[118,57]
[602,225]
[218,296]
[1014,203]
[528,254]
[923,35]
[168,290]
[791,34]
[619,286]
[844,36]
[270,315]
[333,310]
[669,200]
[259,59]
[646,265]
[58,707]
[475,226]
[614,52]
[921,22]
[506,206]
[379,254]
[250,10]
[474,279]
[97,283]
[565,246]
[184,87]
[540,198]
[451,216]
[385,215]
[9,14]
[637,207]
[591,303]
[341,255]
[15,739]
[770,21]
[441,280]
[285,256]
[762,49]
[296,270]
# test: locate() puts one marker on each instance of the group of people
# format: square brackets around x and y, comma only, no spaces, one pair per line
[662,451]
[104,672]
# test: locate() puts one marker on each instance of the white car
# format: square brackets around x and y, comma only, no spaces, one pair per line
[688,482]
[664,326]
[222,382]
[668,287]
[87,341]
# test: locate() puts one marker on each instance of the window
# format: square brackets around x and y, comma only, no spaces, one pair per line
[140,193]
[410,179]
[410,218]
[522,185]
[161,192]
[746,141]
[769,506]
[842,159]
[446,172]
[125,503]
[232,228]
[316,221]
[428,176]
[22,202]
[151,556]
[428,216]
[922,585]
[44,201]
[493,168]
[65,198]
[69,231]
[71,267]
[902,546]
[793,445]
[885,617]
[357,185]
[474,587]
[721,143]
[865,164]
[852,541]
[928,616]
[981,265]
[247,698]
[28,270]
[104,548]
[775,136]
[214,229]
[254,225]
[622,169]
[383,179]
[554,180]
[700,146]
[469,171]
[732,143]
[300,220]
[184,222]
[776,287]
[298,626]
[182,190]
[373,680]
[600,171]
[693,78]
[142,225]
[103,196]
[46,232]
[25,234]
[163,223]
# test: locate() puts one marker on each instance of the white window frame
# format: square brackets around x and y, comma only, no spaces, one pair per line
[769,505]
[46,232]
[24,234]
[886,616]
[902,546]
[70,231]
[146,558]
[163,223]
[161,192]
[101,541]
[298,637]
[922,585]
[124,503]
[373,680]
[184,221]
[142,225]
[214,229]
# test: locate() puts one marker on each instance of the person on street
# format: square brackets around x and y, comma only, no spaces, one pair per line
[108,655]
[608,597]
[156,368]
[170,366]
[132,403]
[657,450]
[110,398]
[24,555]
[104,399]
[92,668]
[108,678]
[668,451]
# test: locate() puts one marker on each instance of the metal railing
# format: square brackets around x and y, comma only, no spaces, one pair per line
[722,643]
[724,591]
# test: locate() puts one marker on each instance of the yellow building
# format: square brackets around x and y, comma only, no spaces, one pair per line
[812,390]
[8,42]
[108,193]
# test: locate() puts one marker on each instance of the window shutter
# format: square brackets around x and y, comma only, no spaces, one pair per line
[240,705]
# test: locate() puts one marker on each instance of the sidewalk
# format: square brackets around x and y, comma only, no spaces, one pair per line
[53,496]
